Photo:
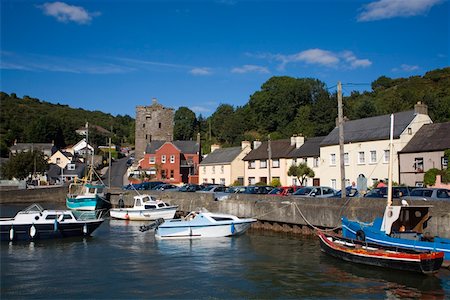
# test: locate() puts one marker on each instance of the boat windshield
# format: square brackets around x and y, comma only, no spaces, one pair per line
[32,209]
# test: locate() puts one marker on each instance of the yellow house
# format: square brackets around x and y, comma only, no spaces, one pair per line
[224,166]
[61,159]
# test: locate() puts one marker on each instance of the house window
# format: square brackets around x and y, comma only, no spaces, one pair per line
[251,180]
[143,126]
[222,169]
[409,130]
[418,164]
[172,159]
[333,183]
[172,174]
[263,179]
[332,159]
[58,160]
[346,159]
[263,164]
[163,159]
[276,163]
[373,156]
[71,167]
[222,181]
[251,164]
[205,180]
[151,160]
[444,162]
[386,156]
[159,125]
[214,170]
[163,174]
[204,170]
[361,157]
[316,162]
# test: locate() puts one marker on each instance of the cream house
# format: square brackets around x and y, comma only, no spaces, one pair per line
[60,158]
[423,152]
[271,160]
[366,147]
[224,166]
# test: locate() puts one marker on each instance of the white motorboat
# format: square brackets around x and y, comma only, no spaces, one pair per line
[203,224]
[145,208]
[35,223]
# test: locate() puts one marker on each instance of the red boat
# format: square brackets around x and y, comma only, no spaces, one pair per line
[426,262]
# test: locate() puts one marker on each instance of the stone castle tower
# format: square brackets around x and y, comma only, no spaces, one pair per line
[153,123]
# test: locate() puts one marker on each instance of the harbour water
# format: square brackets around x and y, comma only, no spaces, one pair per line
[120,262]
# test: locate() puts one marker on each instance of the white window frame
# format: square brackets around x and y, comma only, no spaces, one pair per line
[316,162]
[172,159]
[373,156]
[204,170]
[386,155]
[263,164]
[332,159]
[333,183]
[163,159]
[151,160]
[346,159]
[251,164]
[222,169]
[213,170]
[275,163]
[361,158]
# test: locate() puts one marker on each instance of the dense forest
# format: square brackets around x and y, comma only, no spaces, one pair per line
[282,107]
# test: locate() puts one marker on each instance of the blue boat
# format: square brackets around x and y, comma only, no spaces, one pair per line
[401,226]
[86,197]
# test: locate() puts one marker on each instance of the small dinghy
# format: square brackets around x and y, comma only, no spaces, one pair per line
[202,224]
[426,262]
[35,223]
[145,208]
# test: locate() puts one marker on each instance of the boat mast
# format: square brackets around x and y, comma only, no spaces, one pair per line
[391,160]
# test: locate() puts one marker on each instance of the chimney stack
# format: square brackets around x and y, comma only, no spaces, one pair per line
[245,144]
[299,141]
[154,101]
[421,108]
[293,139]
[256,144]
[214,147]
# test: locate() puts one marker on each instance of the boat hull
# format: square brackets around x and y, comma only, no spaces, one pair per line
[84,203]
[372,234]
[47,230]
[351,251]
[186,231]
[142,214]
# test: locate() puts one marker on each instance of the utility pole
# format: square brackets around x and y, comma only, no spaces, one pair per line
[269,152]
[109,167]
[341,139]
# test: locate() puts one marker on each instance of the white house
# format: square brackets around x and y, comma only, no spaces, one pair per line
[366,147]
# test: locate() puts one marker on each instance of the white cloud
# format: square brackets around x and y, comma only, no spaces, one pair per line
[200,71]
[250,68]
[325,58]
[387,9]
[406,68]
[65,13]
[200,109]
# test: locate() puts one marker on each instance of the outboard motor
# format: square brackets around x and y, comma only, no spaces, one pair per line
[150,226]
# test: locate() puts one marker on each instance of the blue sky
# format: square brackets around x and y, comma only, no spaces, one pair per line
[114,55]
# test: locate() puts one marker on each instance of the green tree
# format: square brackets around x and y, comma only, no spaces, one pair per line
[185,124]
[301,171]
[23,164]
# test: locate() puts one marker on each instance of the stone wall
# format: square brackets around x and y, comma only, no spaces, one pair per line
[288,214]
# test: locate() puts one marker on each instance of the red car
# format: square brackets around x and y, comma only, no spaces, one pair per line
[284,190]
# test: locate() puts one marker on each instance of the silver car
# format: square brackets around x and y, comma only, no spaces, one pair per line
[315,191]
[429,194]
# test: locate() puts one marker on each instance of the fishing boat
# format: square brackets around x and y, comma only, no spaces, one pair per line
[426,262]
[86,196]
[203,224]
[35,223]
[401,225]
[145,208]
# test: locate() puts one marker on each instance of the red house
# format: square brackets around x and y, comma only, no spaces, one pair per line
[174,162]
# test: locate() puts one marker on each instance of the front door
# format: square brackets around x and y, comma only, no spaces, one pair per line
[316,181]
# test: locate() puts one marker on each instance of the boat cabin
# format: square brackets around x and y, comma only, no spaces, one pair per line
[405,221]
[148,202]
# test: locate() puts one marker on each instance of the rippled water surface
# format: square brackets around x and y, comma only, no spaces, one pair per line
[121,262]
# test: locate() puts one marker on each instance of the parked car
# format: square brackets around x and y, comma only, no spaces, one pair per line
[146,185]
[254,189]
[190,187]
[315,191]
[350,192]
[213,189]
[284,190]
[166,187]
[219,196]
[429,194]
[397,192]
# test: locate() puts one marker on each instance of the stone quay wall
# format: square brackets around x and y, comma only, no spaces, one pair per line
[284,214]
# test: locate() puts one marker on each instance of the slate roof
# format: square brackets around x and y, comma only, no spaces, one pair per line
[280,149]
[184,146]
[430,137]
[311,148]
[222,156]
[29,146]
[370,129]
